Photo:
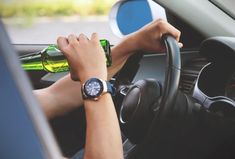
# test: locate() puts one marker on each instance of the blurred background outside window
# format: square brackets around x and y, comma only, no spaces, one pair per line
[42,21]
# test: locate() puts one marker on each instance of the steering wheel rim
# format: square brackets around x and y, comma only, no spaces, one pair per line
[172,75]
[142,117]
[165,108]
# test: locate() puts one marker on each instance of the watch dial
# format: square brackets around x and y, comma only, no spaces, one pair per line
[93,88]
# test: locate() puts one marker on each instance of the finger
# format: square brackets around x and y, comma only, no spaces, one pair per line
[95,37]
[62,43]
[166,28]
[180,45]
[174,32]
[72,39]
[83,38]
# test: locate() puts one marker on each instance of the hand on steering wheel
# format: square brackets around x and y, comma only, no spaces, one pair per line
[145,102]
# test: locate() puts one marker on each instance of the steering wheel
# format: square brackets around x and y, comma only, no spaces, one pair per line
[146,101]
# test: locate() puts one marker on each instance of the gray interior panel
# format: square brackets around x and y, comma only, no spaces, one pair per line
[203,15]
[154,65]
[24,49]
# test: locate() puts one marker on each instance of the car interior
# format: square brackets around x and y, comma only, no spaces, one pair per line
[178,104]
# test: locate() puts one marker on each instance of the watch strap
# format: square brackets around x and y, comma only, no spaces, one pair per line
[110,88]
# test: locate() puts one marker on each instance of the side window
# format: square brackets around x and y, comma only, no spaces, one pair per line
[42,21]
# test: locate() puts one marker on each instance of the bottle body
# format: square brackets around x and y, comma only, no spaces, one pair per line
[52,60]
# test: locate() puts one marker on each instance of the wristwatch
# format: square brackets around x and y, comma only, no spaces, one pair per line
[93,88]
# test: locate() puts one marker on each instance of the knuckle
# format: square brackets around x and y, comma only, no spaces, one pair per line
[179,32]
[161,24]
[59,38]
[94,35]
[71,35]
[81,35]
[159,20]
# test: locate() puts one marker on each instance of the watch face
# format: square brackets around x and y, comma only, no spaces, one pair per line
[93,88]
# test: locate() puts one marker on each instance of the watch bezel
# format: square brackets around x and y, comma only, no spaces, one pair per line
[86,93]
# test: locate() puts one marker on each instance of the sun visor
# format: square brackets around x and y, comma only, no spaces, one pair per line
[219,49]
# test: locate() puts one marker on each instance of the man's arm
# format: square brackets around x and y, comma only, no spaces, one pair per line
[147,38]
[60,98]
[103,138]
[86,59]
[65,95]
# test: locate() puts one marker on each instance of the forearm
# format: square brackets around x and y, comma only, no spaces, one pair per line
[103,138]
[147,38]
[121,52]
[60,98]
[46,101]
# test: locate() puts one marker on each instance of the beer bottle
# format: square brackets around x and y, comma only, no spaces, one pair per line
[52,60]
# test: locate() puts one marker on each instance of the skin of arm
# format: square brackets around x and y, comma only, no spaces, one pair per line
[65,95]
[86,59]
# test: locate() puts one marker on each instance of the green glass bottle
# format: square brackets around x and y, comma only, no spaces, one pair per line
[52,60]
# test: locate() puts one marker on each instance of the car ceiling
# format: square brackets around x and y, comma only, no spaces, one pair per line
[203,15]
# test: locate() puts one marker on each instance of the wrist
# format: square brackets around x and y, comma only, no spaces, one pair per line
[102,76]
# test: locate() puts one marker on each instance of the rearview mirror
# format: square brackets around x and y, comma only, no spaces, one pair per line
[128,16]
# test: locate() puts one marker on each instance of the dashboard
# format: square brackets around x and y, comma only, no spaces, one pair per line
[215,85]
[209,78]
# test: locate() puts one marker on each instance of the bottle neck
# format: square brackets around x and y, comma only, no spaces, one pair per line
[31,62]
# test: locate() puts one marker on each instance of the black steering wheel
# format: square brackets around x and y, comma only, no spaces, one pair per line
[172,75]
[146,101]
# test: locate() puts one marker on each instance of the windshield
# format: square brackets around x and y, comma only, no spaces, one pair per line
[42,21]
